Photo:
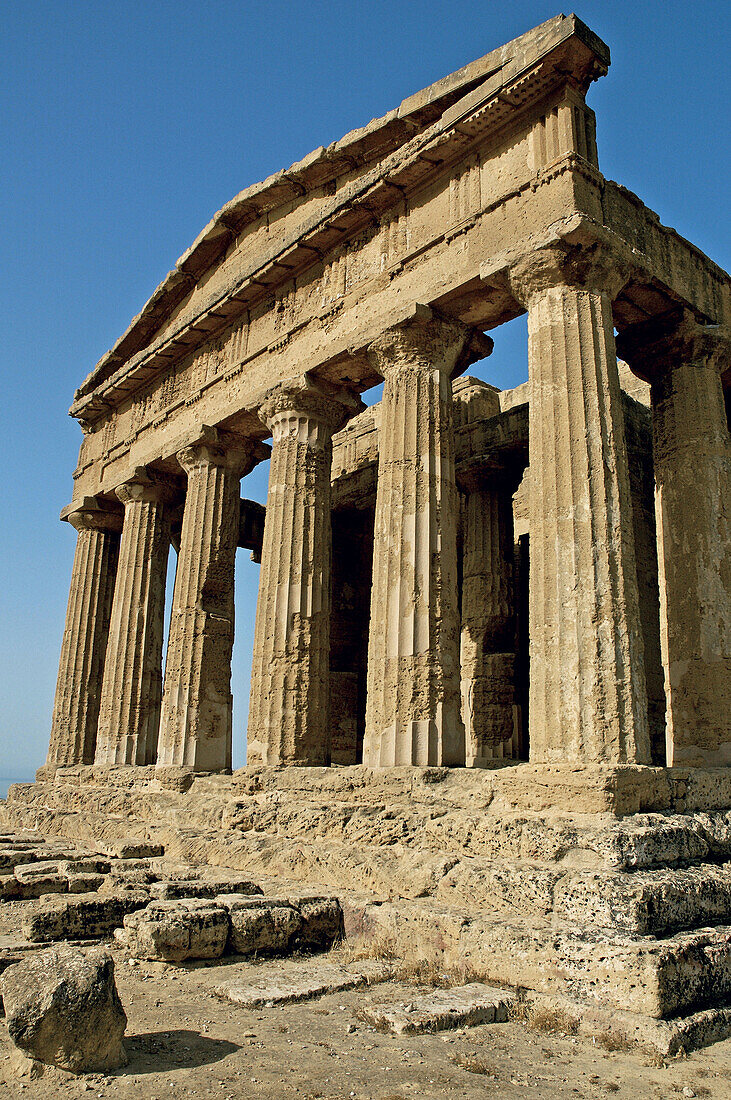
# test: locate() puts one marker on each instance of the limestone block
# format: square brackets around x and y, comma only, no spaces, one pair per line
[81,916]
[176,930]
[92,865]
[9,887]
[30,872]
[300,981]
[202,888]
[260,925]
[62,1008]
[132,849]
[462,1006]
[322,919]
[84,883]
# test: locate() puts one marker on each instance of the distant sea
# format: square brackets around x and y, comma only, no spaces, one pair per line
[5,782]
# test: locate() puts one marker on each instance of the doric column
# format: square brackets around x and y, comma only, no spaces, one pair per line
[290,674]
[488,634]
[129,712]
[587,684]
[195,730]
[683,361]
[81,666]
[413,700]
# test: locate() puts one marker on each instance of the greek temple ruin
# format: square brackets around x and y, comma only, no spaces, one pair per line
[521,598]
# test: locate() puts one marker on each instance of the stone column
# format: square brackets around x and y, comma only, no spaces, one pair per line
[413,702]
[588,699]
[692,455]
[129,712]
[81,666]
[290,674]
[195,729]
[488,638]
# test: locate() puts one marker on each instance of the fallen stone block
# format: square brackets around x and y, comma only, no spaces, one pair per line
[62,1008]
[115,883]
[203,888]
[87,866]
[29,872]
[131,849]
[81,916]
[260,925]
[176,930]
[299,981]
[9,887]
[38,885]
[463,1006]
[84,883]
[322,921]
[15,857]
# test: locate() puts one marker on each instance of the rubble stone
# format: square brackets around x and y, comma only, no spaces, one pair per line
[62,1008]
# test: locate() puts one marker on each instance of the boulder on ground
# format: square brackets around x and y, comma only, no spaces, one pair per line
[172,931]
[170,889]
[62,1008]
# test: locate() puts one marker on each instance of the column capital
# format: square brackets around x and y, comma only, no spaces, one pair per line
[211,446]
[676,339]
[331,406]
[146,486]
[426,339]
[92,514]
[597,267]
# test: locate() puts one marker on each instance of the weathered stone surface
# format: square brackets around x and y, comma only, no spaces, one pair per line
[80,916]
[195,887]
[300,981]
[289,705]
[62,1008]
[260,925]
[176,930]
[461,1006]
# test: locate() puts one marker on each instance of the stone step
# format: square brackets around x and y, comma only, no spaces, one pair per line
[648,903]
[298,981]
[461,1006]
[81,915]
[657,978]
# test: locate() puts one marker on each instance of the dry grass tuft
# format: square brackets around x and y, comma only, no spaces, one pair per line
[414,968]
[474,1064]
[553,1020]
[613,1041]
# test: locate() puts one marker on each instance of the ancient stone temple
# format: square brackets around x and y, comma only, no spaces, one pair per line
[528,590]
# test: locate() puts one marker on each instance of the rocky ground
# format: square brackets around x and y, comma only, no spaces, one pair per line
[185,1041]
[204,1028]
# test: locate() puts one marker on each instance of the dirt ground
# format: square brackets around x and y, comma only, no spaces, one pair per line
[184,1041]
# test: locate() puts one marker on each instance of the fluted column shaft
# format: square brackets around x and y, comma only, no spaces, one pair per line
[487,657]
[413,695]
[587,686]
[196,725]
[290,676]
[692,457]
[129,712]
[84,645]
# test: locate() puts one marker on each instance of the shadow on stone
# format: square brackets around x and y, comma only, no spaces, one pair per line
[164,1050]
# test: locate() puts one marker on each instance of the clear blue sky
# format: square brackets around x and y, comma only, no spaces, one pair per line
[124,126]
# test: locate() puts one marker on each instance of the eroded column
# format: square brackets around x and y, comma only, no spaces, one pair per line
[413,701]
[84,645]
[290,676]
[587,685]
[692,457]
[488,638]
[196,725]
[129,712]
